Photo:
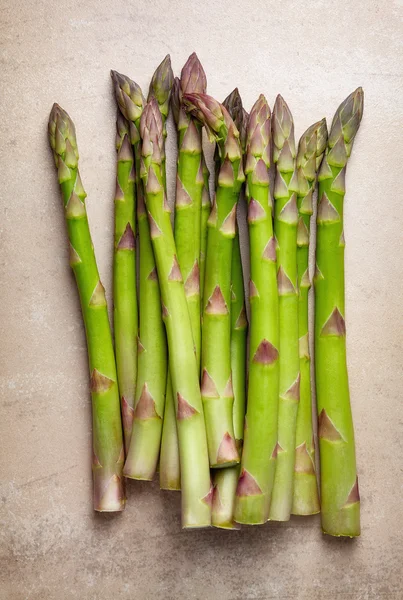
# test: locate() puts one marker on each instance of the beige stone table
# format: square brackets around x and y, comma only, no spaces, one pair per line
[52,546]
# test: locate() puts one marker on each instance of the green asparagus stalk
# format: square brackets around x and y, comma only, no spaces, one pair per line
[124,277]
[339,483]
[107,439]
[285,227]
[225,480]
[169,468]
[195,476]
[170,471]
[310,152]
[216,383]
[260,444]
[189,191]
[142,458]
[205,214]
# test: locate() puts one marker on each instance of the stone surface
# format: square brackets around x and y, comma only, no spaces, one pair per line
[52,546]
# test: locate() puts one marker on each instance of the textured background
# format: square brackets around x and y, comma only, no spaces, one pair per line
[52,546]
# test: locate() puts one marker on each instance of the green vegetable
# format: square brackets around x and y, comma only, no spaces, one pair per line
[189,192]
[216,382]
[260,443]
[339,484]
[142,458]
[195,475]
[310,152]
[225,480]
[107,439]
[285,228]
[124,277]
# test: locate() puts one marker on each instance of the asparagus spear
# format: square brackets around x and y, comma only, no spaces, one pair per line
[339,484]
[169,468]
[124,277]
[225,480]
[189,191]
[195,476]
[142,458]
[285,227]
[310,152]
[260,444]
[216,384]
[107,440]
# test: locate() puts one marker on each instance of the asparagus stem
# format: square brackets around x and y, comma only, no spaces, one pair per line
[260,444]
[124,277]
[107,440]
[310,152]
[285,227]
[195,476]
[142,458]
[225,480]
[339,483]
[216,384]
[189,190]
[205,213]
[170,475]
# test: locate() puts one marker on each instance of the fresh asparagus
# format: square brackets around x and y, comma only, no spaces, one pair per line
[124,277]
[285,227]
[216,382]
[107,439]
[189,191]
[195,475]
[260,444]
[310,152]
[225,480]
[169,468]
[142,458]
[339,483]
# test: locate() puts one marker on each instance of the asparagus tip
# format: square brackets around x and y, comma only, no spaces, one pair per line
[193,78]
[161,84]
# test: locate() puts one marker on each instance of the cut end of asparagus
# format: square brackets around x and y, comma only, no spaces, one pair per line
[193,78]
[129,96]
[161,85]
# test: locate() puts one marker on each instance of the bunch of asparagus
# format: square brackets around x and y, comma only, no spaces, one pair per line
[173,393]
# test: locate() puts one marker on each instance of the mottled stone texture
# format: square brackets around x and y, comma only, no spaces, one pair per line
[52,546]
